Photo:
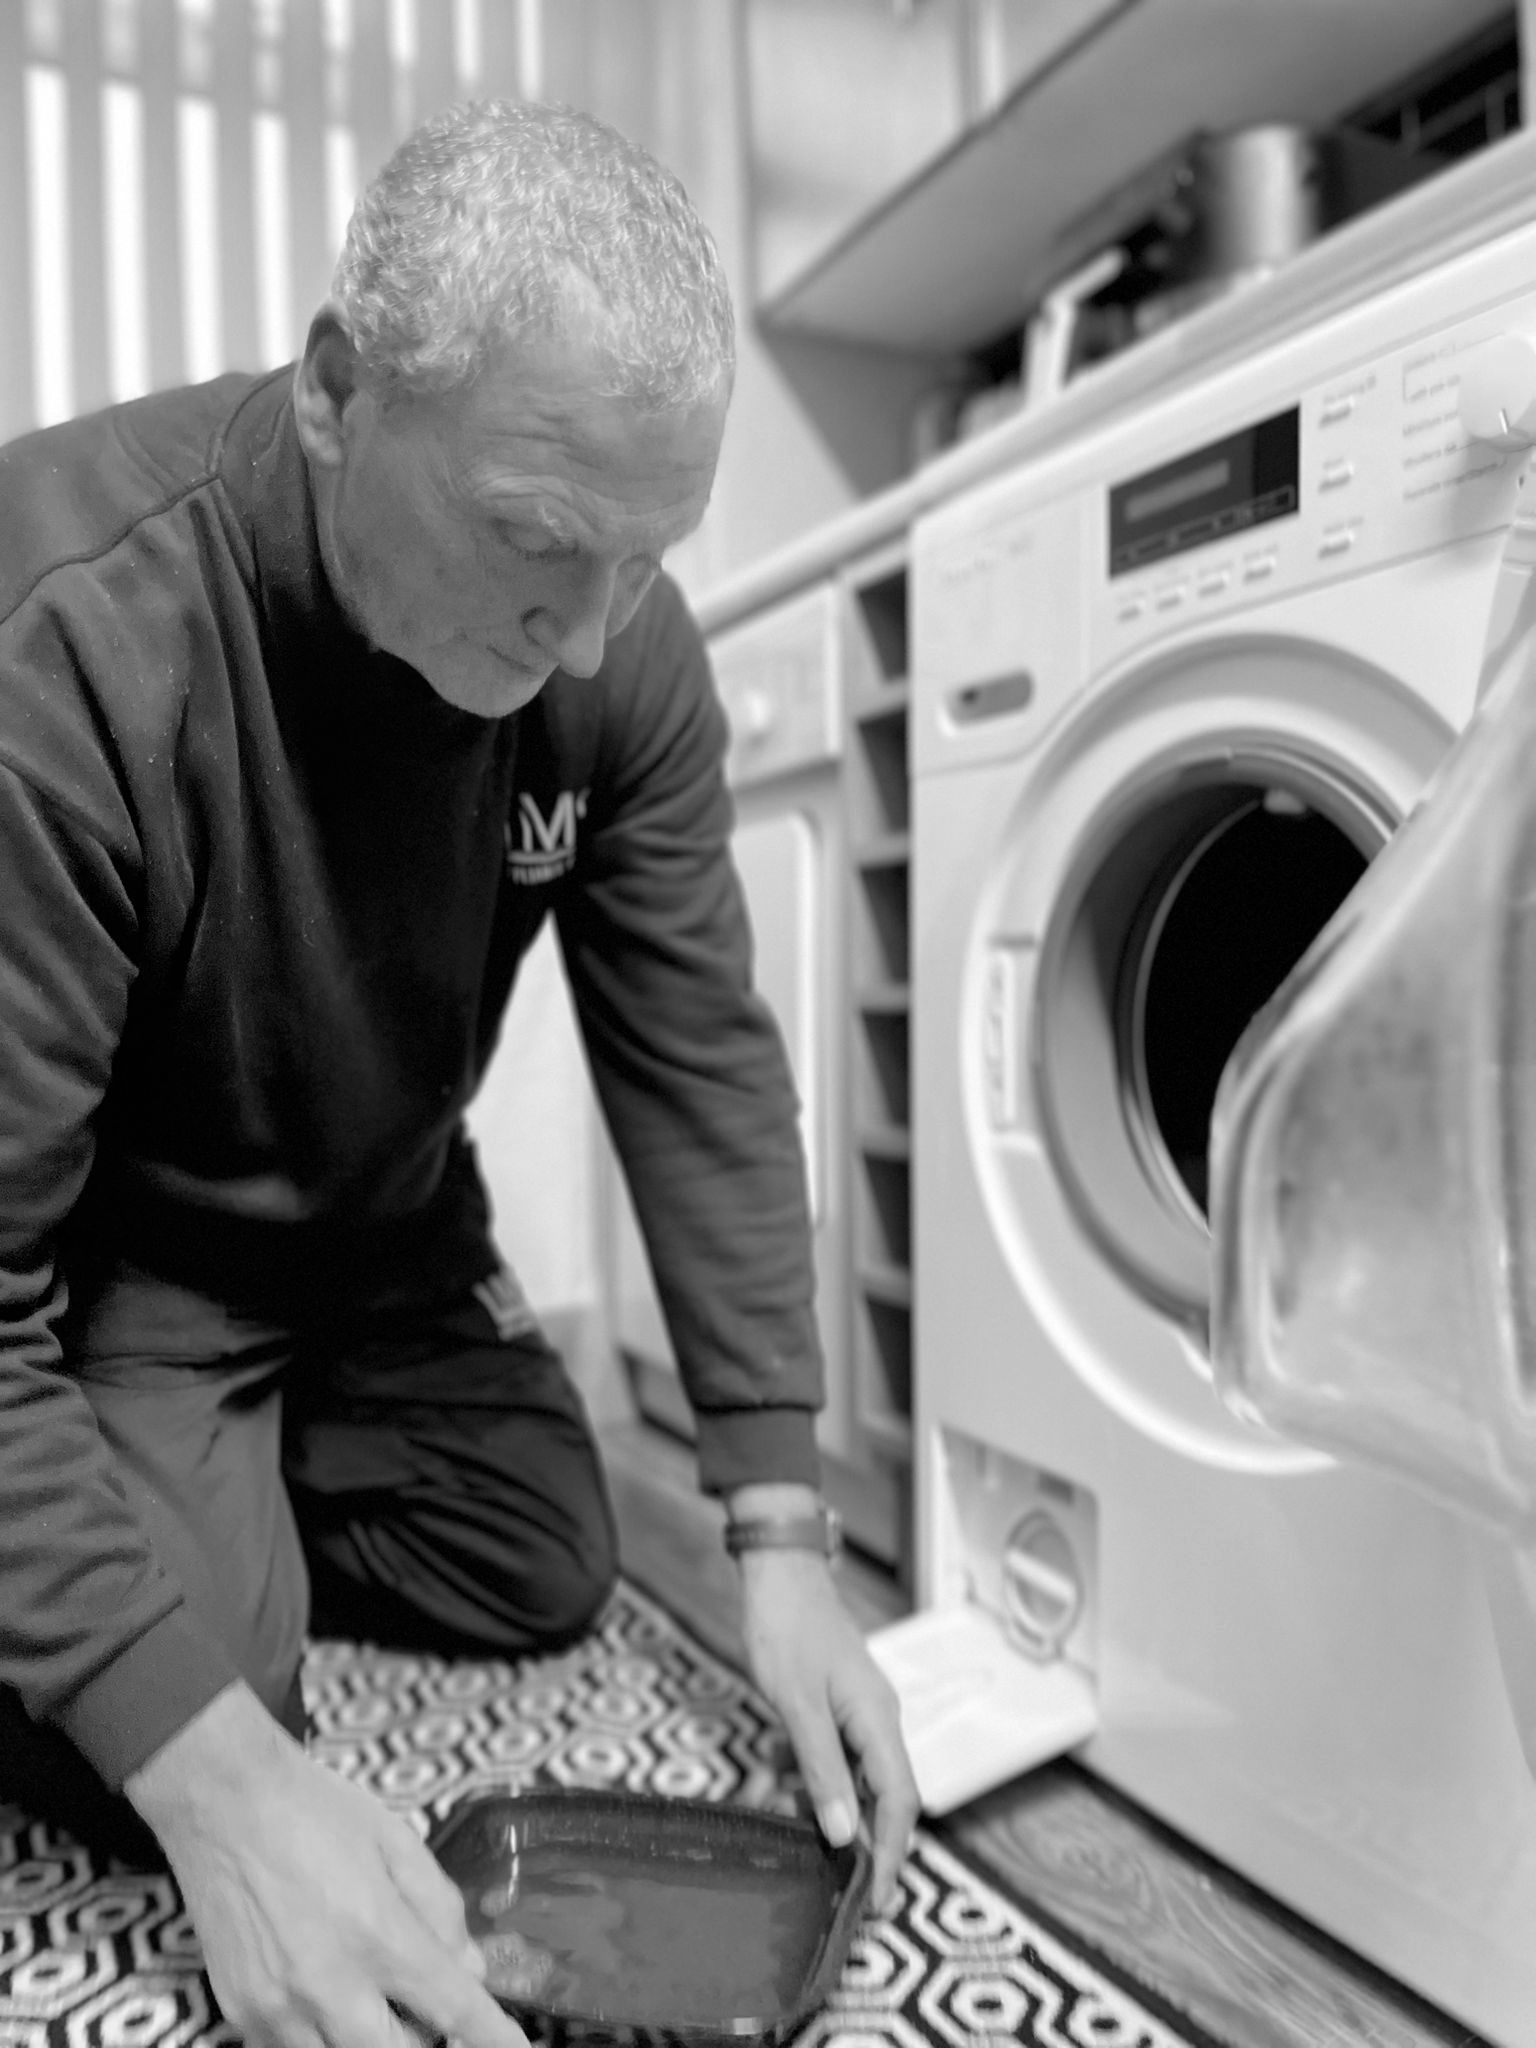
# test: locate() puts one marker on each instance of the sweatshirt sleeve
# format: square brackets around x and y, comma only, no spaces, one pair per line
[688,1061]
[94,1637]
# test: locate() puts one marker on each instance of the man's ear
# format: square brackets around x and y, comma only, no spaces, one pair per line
[327,379]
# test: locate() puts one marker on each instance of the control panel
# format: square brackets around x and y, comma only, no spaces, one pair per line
[1400,456]
[779,679]
[1395,430]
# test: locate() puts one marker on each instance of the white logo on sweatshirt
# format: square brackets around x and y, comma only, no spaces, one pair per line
[541,849]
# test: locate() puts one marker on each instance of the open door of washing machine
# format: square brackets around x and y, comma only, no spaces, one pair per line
[1373,1165]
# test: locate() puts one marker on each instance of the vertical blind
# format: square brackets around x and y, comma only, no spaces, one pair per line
[176,175]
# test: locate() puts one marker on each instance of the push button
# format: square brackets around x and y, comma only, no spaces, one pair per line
[1339,542]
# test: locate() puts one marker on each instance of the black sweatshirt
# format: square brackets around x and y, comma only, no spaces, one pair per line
[264,897]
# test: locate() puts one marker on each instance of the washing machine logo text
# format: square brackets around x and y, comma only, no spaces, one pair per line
[540,849]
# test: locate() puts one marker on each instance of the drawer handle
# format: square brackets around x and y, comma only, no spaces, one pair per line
[973,702]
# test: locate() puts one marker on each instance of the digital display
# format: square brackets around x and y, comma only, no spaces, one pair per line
[1214,492]
[1191,483]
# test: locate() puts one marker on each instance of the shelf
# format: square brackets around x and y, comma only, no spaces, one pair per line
[879,643]
[884,1141]
[879,784]
[892,1000]
[891,1434]
[958,254]
[881,1092]
[885,1240]
[878,865]
[891,1286]
[885,850]
[891,703]
[875,571]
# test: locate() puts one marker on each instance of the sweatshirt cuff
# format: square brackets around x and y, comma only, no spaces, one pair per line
[746,1446]
[119,1718]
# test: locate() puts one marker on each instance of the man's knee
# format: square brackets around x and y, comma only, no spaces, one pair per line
[572,1589]
[426,1577]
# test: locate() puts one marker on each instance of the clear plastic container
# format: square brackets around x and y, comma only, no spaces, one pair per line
[698,1922]
[1373,1155]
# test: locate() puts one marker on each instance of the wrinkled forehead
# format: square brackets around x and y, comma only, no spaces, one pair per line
[553,435]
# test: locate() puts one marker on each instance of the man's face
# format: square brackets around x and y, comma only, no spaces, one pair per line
[503,530]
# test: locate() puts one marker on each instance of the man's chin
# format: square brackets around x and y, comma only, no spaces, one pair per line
[491,692]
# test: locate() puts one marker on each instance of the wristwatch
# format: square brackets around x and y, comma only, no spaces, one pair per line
[821,1531]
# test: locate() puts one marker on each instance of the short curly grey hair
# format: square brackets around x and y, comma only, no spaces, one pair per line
[492,223]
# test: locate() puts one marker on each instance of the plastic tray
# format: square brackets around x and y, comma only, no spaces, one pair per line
[675,1915]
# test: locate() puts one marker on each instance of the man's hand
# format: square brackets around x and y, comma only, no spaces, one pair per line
[317,1908]
[810,1660]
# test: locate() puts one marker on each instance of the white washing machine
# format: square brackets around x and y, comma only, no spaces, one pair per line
[1174,684]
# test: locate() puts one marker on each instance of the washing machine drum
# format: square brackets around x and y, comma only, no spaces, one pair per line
[1174,930]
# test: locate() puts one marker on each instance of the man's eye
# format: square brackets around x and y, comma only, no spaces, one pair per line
[538,547]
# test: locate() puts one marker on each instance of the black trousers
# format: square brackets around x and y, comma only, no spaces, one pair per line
[418,1475]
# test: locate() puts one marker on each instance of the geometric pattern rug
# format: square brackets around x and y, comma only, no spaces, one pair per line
[95,1954]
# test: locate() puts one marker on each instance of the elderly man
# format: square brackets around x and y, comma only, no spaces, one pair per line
[284,665]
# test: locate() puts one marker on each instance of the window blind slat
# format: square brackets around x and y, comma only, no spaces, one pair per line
[159,57]
[310,252]
[234,103]
[498,50]
[87,208]
[372,86]
[437,75]
[17,396]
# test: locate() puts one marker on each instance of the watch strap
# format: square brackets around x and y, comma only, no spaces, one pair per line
[821,1531]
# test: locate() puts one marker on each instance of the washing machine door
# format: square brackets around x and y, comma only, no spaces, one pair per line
[1373,1155]
[1373,1166]
[1173,854]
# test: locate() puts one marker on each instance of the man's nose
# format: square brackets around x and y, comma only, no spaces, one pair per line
[572,628]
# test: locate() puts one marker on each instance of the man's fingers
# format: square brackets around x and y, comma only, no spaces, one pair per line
[406,2031]
[894,1821]
[446,1999]
[874,1734]
[824,1767]
[433,1896]
[259,2029]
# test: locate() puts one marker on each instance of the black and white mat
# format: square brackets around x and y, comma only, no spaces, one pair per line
[96,1955]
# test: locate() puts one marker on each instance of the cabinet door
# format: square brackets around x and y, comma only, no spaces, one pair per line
[777,858]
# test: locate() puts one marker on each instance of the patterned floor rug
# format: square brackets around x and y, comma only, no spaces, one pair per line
[97,1955]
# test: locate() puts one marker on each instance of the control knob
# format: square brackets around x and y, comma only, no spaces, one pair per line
[1498,392]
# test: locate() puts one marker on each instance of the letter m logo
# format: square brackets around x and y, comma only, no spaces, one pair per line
[555,834]
[543,849]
